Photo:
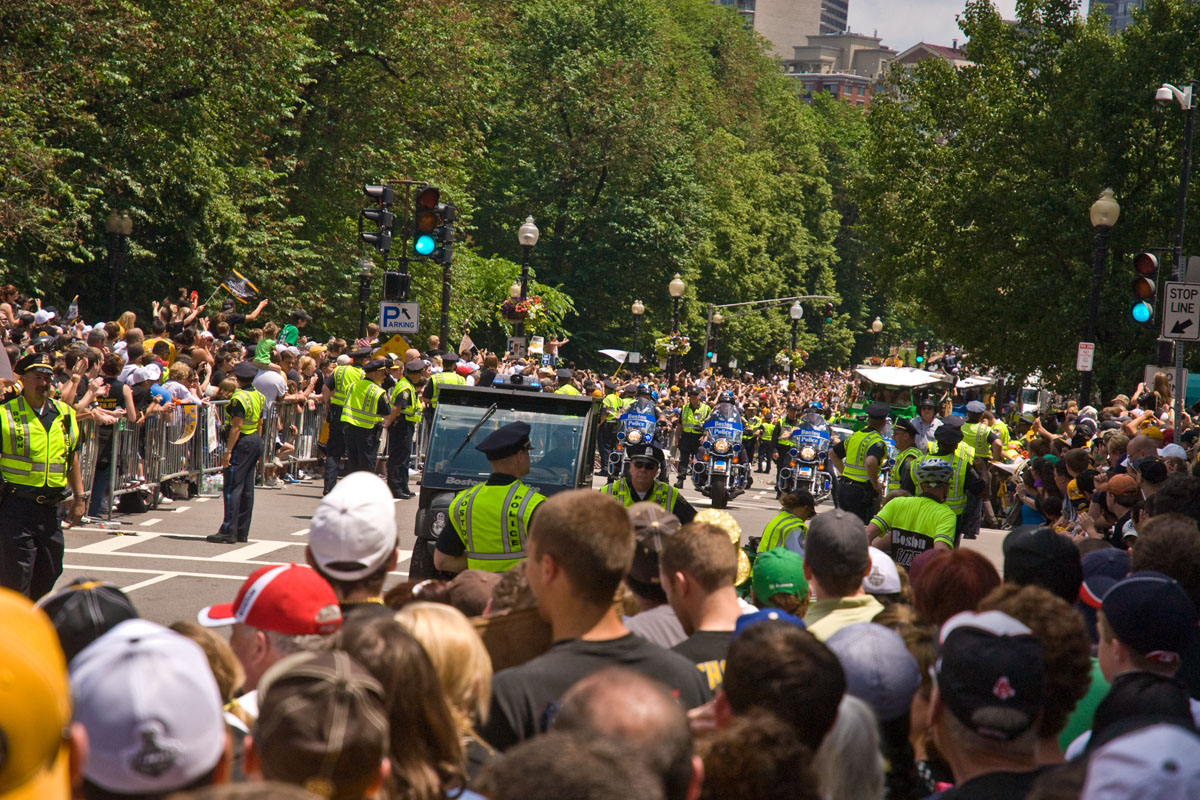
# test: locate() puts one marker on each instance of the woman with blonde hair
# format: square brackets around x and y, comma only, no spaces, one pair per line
[463,666]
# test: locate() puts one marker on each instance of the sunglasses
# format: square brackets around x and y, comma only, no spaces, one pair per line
[644,464]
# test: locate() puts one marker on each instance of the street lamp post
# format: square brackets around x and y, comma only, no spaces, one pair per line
[676,288]
[637,309]
[716,335]
[364,293]
[876,329]
[1104,214]
[527,235]
[118,226]
[1186,98]
[795,312]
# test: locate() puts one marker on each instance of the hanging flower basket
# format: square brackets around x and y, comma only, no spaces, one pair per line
[530,311]
[791,359]
[676,345]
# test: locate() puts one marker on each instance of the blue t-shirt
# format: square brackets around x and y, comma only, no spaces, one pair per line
[157,390]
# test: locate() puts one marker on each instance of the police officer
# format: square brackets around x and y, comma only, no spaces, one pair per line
[433,387]
[964,481]
[691,427]
[39,463]
[645,460]
[565,383]
[901,476]
[243,448]
[337,390]
[788,528]
[613,408]
[401,424]
[781,436]
[985,444]
[489,523]
[859,460]
[766,449]
[926,422]
[362,416]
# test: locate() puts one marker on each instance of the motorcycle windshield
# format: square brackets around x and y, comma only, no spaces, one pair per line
[725,422]
[641,416]
[809,436]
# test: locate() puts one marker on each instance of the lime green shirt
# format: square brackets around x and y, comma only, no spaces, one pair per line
[915,524]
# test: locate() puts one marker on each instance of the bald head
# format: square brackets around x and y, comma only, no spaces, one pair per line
[622,704]
[1141,446]
[411,354]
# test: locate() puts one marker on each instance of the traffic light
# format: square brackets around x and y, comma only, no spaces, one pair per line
[922,346]
[425,220]
[444,233]
[382,216]
[828,313]
[1145,266]
[710,349]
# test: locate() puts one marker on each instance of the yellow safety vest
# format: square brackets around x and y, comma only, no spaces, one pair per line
[786,428]
[360,409]
[493,523]
[663,494]
[902,459]
[855,464]
[344,378]
[960,460]
[777,530]
[693,418]
[412,411]
[30,455]
[252,401]
[567,389]
[612,407]
[448,378]
[975,436]
[768,430]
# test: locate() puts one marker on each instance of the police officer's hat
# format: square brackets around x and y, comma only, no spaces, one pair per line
[609,385]
[948,434]
[35,362]
[693,390]
[506,441]
[449,358]
[976,407]
[794,406]
[953,421]
[649,452]
[878,410]
[416,365]
[374,364]
[564,374]
[245,370]
[906,426]
[361,352]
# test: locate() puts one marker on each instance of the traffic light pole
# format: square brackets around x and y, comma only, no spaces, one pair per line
[1180,262]
[774,301]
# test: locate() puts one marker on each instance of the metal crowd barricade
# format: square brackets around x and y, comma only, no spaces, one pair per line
[88,452]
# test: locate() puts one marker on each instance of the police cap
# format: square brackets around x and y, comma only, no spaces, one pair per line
[505,441]
[906,426]
[416,365]
[374,364]
[693,390]
[644,452]
[361,352]
[35,362]
[245,370]
[878,410]
[449,358]
[564,374]
[948,434]
[976,407]
[609,385]
[953,421]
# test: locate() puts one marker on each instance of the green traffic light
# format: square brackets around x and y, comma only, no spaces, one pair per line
[920,359]
[424,245]
[1141,311]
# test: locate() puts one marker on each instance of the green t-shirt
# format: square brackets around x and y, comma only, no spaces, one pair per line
[1080,720]
[915,523]
[289,335]
[263,350]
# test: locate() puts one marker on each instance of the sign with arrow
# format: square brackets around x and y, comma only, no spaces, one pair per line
[1181,312]
[398,317]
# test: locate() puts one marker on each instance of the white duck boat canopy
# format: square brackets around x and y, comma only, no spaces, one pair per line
[903,377]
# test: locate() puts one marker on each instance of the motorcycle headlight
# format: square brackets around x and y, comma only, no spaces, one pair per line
[721,446]
[439,523]
[634,437]
[808,453]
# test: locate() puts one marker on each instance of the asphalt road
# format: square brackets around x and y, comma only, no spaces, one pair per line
[160,559]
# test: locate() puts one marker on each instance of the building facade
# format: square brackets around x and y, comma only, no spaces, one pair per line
[785,23]
[1120,12]
[846,65]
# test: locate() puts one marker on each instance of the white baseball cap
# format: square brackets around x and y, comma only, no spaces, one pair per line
[150,704]
[883,578]
[353,531]
[1160,761]
[42,317]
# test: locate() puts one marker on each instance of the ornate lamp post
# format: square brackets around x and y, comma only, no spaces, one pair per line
[676,288]
[717,319]
[365,268]
[795,312]
[118,225]
[527,236]
[1104,213]
[637,309]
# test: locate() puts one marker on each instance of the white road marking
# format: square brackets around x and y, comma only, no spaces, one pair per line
[114,543]
[251,551]
[151,521]
[201,499]
[172,557]
[180,510]
[166,576]
[92,568]
[300,532]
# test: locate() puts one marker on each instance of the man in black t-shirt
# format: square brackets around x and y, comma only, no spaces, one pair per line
[573,572]
[698,567]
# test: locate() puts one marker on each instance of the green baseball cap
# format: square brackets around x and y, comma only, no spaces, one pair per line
[779,571]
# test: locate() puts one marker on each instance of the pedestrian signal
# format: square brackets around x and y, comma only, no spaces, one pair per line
[1145,267]
[381,237]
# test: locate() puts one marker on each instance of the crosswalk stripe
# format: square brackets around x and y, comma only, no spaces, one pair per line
[113,543]
[151,521]
[251,551]
[166,576]
[300,532]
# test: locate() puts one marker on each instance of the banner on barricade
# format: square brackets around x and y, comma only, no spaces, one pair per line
[183,423]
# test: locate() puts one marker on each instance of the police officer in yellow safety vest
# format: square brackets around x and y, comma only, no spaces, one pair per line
[789,527]
[607,439]
[965,482]
[781,436]
[401,424]
[363,415]
[243,447]
[691,427]
[39,437]
[489,523]
[645,461]
[433,387]
[859,460]
[337,392]
[565,384]
[901,475]
[766,450]
[986,444]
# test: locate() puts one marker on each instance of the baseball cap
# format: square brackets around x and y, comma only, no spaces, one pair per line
[990,673]
[1041,556]
[883,578]
[1161,761]
[353,531]
[765,615]
[778,571]
[1152,614]
[35,704]
[652,526]
[85,610]
[42,316]
[291,599]
[321,724]
[1172,451]
[150,704]
[879,669]
[1122,485]
[836,544]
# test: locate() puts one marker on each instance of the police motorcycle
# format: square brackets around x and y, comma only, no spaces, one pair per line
[638,424]
[808,465]
[720,471]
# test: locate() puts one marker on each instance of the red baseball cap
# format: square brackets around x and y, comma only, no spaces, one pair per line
[291,599]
